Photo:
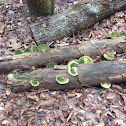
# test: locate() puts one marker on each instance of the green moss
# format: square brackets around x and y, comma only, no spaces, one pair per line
[22,76]
[39,7]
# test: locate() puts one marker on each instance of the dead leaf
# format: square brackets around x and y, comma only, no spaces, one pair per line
[62,124]
[8,91]
[111,95]
[119,114]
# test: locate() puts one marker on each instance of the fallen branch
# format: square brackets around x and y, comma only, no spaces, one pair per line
[92,74]
[74,19]
[89,48]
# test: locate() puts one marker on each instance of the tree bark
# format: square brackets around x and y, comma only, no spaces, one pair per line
[74,19]
[92,74]
[59,55]
[38,7]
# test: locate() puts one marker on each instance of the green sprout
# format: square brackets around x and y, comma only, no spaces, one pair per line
[18,51]
[35,49]
[27,50]
[34,83]
[114,34]
[106,85]
[123,33]
[72,63]
[110,56]
[43,48]
[73,71]
[62,79]
[51,65]
[85,60]
[100,90]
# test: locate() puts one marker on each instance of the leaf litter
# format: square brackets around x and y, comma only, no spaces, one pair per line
[78,107]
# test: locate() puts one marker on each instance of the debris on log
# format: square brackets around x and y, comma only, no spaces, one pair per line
[59,55]
[91,74]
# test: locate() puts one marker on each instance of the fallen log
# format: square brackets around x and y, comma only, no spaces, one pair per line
[92,74]
[58,55]
[74,19]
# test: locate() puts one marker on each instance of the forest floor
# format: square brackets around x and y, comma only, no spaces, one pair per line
[88,106]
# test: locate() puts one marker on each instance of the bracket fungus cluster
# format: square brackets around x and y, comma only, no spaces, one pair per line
[41,48]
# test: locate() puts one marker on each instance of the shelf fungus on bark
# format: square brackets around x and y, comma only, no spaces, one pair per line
[62,79]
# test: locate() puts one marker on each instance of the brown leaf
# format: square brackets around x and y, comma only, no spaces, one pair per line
[8,91]
[111,95]
[62,124]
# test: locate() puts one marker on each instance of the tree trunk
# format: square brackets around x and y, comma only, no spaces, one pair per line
[38,7]
[92,74]
[74,19]
[59,55]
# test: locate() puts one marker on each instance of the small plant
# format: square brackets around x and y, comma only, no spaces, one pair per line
[110,56]
[85,60]
[62,79]
[27,50]
[100,90]
[35,49]
[106,85]
[19,51]
[51,65]
[43,48]
[34,83]
[123,33]
[114,34]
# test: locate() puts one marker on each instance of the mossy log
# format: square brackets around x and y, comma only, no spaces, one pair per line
[59,55]
[38,7]
[91,74]
[74,19]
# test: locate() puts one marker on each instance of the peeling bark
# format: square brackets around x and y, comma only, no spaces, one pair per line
[59,55]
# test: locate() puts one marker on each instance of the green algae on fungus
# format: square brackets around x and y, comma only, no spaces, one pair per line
[105,85]
[73,71]
[62,79]
[27,50]
[18,51]
[43,48]
[85,60]
[110,56]
[34,83]
[72,63]
[51,65]
[114,34]
[35,49]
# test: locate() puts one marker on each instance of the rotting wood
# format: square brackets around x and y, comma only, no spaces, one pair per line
[59,55]
[92,74]
[74,19]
